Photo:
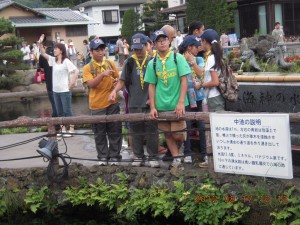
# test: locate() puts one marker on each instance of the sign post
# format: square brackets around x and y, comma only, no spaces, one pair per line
[252,144]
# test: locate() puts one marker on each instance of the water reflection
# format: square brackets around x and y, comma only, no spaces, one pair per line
[39,107]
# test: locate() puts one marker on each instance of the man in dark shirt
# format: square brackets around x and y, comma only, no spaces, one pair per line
[43,64]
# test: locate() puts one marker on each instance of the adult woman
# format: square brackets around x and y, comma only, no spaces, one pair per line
[213,66]
[62,85]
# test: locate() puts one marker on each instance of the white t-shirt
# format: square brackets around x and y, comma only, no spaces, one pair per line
[120,44]
[179,40]
[26,51]
[210,92]
[60,74]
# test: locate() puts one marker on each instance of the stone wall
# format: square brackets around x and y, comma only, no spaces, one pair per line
[141,177]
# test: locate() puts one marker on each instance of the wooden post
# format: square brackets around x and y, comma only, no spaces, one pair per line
[52,131]
[209,150]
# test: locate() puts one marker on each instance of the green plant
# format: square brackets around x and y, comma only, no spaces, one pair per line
[289,209]
[11,59]
[10,81]
[209,204]
[131,24]
[159,201]
[8,201]
[125,132]
[101,193]
[152,17]
[219,15]
[14,130]
[40,200]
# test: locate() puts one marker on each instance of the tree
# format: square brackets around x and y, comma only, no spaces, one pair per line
[131,24]
[65,3]
[215,14]
[152,17]
[11,59]
[32,3]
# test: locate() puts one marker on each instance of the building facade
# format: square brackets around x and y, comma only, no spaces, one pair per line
[259,16]
[251,17]
[55,23]
[109,16]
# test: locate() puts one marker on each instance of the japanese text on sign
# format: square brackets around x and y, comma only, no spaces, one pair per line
[252,144]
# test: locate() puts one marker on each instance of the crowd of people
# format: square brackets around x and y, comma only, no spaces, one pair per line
[157,77]
[171,72]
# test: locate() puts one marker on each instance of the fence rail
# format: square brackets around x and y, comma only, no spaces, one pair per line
[163,116]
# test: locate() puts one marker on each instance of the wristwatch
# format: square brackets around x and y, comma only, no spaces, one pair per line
[191,63]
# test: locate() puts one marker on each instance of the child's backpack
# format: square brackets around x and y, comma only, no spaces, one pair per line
[228,85]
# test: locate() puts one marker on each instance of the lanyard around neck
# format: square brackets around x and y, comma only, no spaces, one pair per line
[164,72]
[140,67]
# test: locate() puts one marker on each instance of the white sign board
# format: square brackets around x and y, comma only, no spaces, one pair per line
[252,144]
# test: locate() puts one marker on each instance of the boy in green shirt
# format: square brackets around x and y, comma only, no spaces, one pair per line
[167,90]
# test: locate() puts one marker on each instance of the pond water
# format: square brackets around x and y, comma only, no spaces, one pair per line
[40,107]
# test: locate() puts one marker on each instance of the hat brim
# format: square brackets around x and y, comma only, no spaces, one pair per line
[161,35]
[100,45]
[138,46]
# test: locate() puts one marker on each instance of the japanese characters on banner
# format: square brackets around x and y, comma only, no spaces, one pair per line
[252,144]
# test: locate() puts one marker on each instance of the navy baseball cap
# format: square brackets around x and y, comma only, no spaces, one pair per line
[149,40]
[158,34]
[96,42]
[190,40]
[210,36]
[138,41]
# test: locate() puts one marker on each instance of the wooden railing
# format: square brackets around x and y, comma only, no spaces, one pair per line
[163,116]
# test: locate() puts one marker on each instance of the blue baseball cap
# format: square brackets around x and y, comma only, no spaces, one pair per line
[149,40]
[158,34]
[138,41]
[96,42]
[210,36]
[190,40]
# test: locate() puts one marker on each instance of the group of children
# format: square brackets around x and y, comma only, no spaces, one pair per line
[156,81]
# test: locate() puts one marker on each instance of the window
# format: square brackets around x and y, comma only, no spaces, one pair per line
[75,31]
[122,16]
[291,18]
[110,16]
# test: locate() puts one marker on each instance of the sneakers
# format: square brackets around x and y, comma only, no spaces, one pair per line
[72,130]
[176,162]
[114,162]
[138,161]
[66,135]
[188,159]
[154,164]
[205,163]
[102,162]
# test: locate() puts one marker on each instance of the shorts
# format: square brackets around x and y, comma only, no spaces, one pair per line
[174,126]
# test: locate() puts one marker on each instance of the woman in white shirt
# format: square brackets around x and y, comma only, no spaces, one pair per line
[213,66]
[64,77]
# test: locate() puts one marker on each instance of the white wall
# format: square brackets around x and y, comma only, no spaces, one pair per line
[173,3]
[103,30]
